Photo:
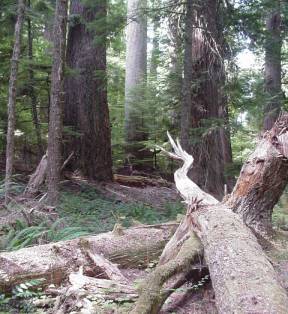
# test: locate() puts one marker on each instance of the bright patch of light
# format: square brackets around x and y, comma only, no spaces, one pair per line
[242,118]
[18,133]
[247,60]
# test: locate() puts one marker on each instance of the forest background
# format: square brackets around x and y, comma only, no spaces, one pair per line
[213,73]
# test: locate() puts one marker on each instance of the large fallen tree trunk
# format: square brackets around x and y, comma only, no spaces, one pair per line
[242,276]
[133,247]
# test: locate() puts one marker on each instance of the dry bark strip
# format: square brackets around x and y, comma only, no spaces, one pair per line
[242,276]
[135,247]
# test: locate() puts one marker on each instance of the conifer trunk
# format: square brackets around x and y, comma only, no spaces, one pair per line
[12,98]
[55,114]
[86,112]
[135,78]
[204,123]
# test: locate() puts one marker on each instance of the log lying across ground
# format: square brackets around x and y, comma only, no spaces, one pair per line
[128,248]
[242,276]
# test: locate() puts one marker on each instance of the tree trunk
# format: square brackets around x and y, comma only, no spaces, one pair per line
[54,262]
[273,65]
[86,108]
[243,277]
[31,86]
[12,98]
[263,179]
[135,78]
[204,125]
[55,115]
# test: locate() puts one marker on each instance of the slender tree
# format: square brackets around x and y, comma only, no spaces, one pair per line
[86,111]
[273,46]
[136,72]
[55,115]
[12,98]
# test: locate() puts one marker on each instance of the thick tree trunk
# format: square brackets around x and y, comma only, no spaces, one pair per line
[86,108]
[55,115]
[12,99]
[273,65]
[135,78]
[134,247]
[204,125]
[243,278]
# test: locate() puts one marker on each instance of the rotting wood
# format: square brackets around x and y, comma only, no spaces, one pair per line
[37,178]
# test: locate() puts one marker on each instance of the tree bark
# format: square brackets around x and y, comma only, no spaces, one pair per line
[242,276]
[272,69]
[55,114]
[135,78]
[263,179]
[86,110]
[204,123]
[129,248]
[12,99]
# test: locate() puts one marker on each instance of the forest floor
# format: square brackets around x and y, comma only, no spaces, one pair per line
[89,208]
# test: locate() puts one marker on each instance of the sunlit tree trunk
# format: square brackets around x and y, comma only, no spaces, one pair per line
[136,71]
[12,98]
[86,110]
[55,115]
[273,65]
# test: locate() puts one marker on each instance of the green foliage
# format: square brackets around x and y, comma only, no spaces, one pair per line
[21,235]
[20,299]
[94,213]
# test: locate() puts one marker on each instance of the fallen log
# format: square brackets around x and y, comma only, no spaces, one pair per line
[134,247]
[242,276]
[140,181]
